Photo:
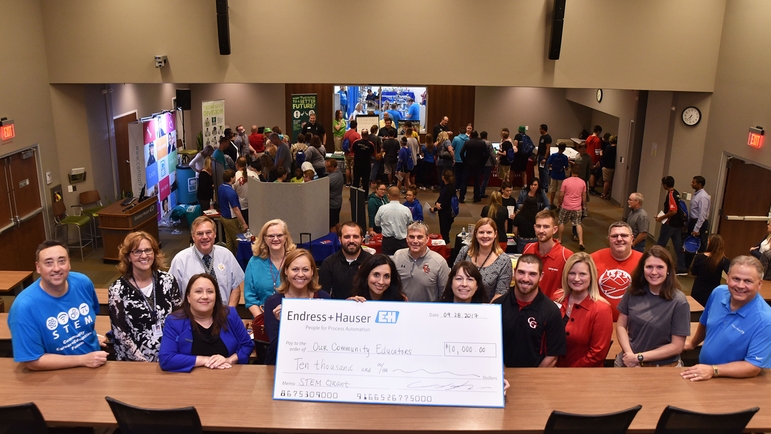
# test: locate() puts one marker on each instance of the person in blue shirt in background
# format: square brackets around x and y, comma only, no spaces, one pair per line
[459,167]
[413,204]
[230,210]
[735,327]
[557,163]
[413,111]
[395,115]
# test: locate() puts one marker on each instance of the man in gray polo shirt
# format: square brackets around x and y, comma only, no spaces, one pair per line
[423,271]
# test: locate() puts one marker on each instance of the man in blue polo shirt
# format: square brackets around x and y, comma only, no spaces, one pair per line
[735,327]
[230,210]
[52,321]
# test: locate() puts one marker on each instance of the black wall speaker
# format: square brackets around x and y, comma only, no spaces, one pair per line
[559,9]
[558,21]
[183,99]
[555,44]
[223,26]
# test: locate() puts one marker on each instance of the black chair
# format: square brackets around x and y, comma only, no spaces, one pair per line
[679,421]
[22,419]
[139,420]
[611,423]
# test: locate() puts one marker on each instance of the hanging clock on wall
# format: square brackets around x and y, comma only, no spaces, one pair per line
[691,116]
[599,95]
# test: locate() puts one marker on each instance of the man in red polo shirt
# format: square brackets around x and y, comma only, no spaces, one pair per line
[615,264]
[594,149]
[552,253]
[257,141]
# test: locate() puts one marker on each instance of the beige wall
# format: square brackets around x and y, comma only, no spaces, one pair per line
[640,44]
[24,93]
[742,88]
[498,107]
[246,104]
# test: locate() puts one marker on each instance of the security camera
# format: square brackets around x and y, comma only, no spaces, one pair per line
[161,61]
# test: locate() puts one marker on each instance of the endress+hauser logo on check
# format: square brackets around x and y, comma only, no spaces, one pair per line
[387,316]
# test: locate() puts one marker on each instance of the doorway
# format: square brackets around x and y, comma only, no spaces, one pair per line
[120,127]
[22,225]
[746,200]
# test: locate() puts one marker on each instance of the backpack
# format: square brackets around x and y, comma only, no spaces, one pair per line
[299,158]
[346,145]
[682,210]
[510,155]
[527,145]
[454,206]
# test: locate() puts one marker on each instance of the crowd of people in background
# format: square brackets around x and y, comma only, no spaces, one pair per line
[559,308]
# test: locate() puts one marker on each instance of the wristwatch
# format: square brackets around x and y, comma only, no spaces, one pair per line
[715,372]
[640,358]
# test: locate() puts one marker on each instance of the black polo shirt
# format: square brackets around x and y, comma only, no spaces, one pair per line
[315,129]
[336,274]
[384,131]
[532,332]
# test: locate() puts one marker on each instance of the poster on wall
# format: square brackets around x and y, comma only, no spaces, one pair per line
[303,104]
[153,159]
[213,121]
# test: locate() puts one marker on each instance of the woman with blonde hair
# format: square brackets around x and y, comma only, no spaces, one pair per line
[205,193]
[499,214]
[445,154]
[588,317]
[263,276]
[486,253]
[141,298]
[299,279]
[708,268]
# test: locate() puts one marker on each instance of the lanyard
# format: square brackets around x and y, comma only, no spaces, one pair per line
[152,307]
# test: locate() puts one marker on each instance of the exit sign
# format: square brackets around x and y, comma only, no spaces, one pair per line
[755,137]
[7,131]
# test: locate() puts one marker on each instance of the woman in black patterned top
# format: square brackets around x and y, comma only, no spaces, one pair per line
[141,298]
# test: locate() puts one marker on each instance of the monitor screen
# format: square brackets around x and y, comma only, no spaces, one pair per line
[497,146]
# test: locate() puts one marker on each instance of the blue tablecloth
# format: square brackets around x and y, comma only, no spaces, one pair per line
[320,248]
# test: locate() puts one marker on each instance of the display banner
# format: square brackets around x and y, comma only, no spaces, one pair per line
[380,352]
[213,121]
[153,159]
[303,104]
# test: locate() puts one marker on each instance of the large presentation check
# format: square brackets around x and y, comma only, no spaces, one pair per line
[390,353]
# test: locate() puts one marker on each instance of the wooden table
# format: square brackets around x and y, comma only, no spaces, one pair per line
[242,399]
[696,308]
[14,281]
[116,221]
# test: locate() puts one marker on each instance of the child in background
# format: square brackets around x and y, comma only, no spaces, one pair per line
[414,204]
[404,164]
[308,176]
[281,175]
[298,176]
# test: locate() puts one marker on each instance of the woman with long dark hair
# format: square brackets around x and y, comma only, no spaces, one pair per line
[204,332]
[499,214]
[465,285]
[708,268]
[654,317]
[377,279]
[443,205]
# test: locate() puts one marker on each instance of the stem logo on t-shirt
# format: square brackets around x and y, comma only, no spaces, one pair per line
[613,283]
[70,320]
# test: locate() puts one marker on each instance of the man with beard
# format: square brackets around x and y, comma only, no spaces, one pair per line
[552,254]
[337,271]
[615,264]
[533,329]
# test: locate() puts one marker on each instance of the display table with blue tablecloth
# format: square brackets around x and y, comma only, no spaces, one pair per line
[320,248]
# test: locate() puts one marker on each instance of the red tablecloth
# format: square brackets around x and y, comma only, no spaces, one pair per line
[376,243]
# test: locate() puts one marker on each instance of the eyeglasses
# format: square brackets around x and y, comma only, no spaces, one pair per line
[139,252]
[619,236]
[274,237]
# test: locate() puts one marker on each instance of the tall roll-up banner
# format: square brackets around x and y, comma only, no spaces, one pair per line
[303,104]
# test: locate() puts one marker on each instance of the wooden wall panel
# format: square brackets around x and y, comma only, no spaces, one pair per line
[455,102]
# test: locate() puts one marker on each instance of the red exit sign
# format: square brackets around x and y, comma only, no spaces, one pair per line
[755,137]
[7,131]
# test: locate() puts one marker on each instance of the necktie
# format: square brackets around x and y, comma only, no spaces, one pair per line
[207,265]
